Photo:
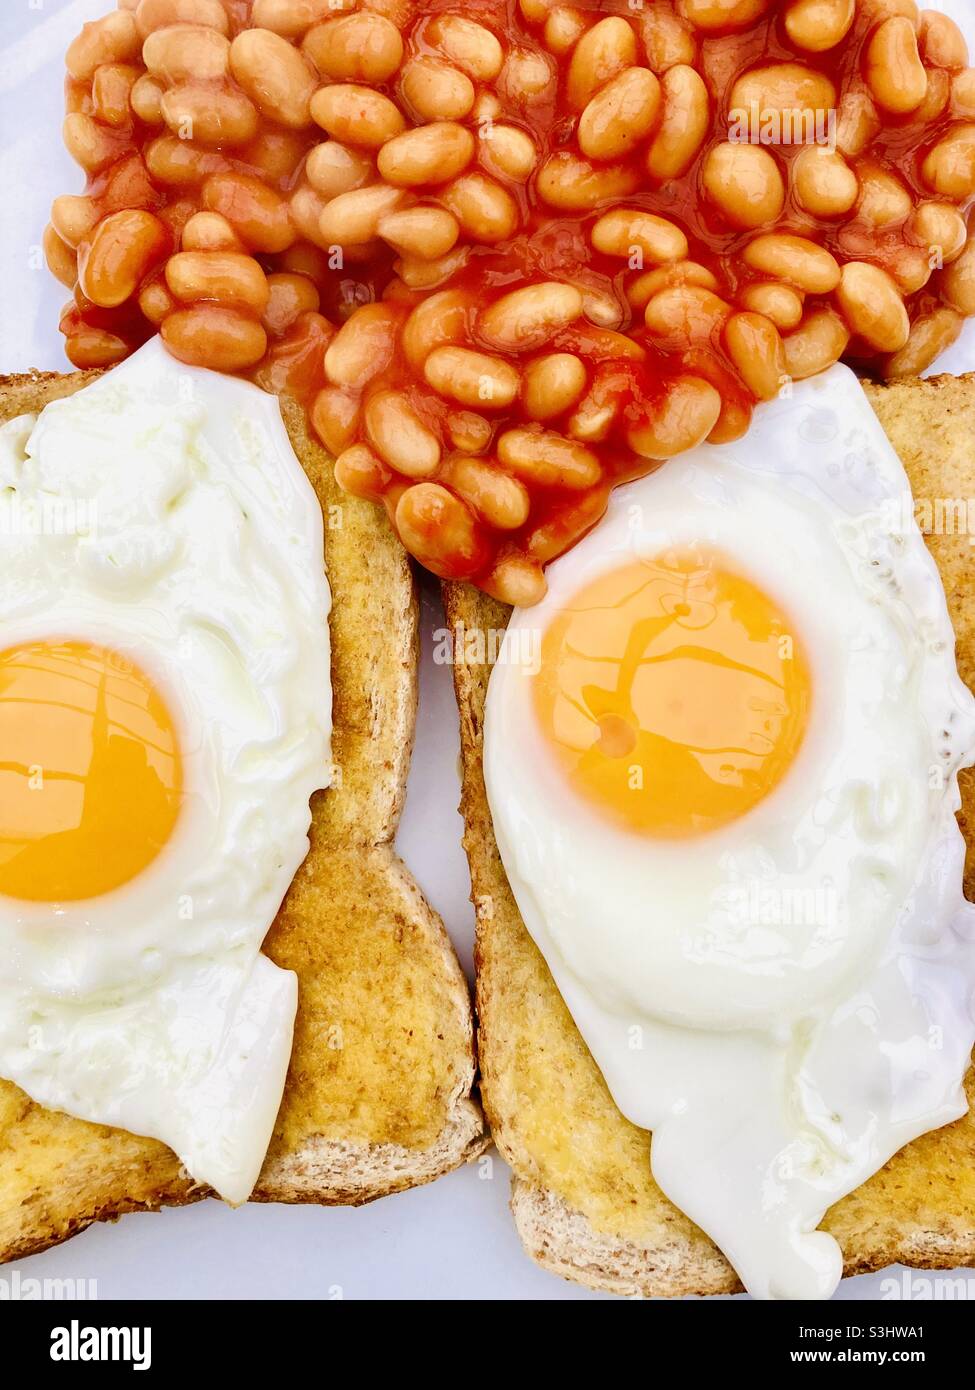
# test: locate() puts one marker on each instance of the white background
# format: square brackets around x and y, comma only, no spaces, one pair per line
[453,1239]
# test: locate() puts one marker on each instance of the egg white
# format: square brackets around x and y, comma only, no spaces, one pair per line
[778,1061]
[151,1007]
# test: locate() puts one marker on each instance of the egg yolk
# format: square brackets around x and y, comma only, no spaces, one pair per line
[90,771]
[674,693]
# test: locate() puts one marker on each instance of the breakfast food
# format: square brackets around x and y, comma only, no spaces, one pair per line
[725,986]
[511,258]
[378,1091]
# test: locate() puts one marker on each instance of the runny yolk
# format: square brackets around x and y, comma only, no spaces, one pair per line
[674,693]
[90,771]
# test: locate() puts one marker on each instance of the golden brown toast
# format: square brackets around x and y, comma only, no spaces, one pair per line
[583,1199]
[378,1097]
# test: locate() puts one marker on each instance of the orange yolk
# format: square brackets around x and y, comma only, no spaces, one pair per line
[90,771]
[674,693]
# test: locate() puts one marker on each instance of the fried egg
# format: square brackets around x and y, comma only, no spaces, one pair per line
[165,715]
[721,758]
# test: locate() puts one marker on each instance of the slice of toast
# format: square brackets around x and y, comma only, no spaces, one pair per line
[379,1094]
[583,1199]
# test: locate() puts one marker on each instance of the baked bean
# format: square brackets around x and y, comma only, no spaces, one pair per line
[209,115]
[111,92]
[213,335]
[935,98]
[73,217]
[823,182]
[439,529]
[469,432]
[564,27]
[288,297]
[780,304]
[62,261]
[507,151]
[526,76]
[517,581]
[155,301]
[857,123]
[363,346]
[940,228]
[958,280]
[683,419]
[872,306]
[552,385]
[941,42]
[485,210]
[930,335]
[304,258]
[279,80]
[435,90]
[275,153]
[123,249]
[399,435]
[722,14]
[818,25]
[114,39]
[473,378]
[877,10]
[356,115]
[95,347]
[788,89]
[158,14]
[332,168]
[963,93]
[893,67]
[470,46]
[432,153]
[752,342]
[526,318]
[605,50]
[145,98]
[91,144]
[744,182]
[359,47]
[398,12]
[426,275]
[359,472]
[208,231]
[884,201]
[682,315]
[534,10]
[593,418]
[440,319]
[641,290]
[307,208]
[226,276]
[187,53]
[949,168]
[259,215]
[626,231]
[668,41]
[683,125]
[497,498]
[487,107]
[426,232]
[335,419]
[289,18]
[570,523]
[353,218]
[620,115]
[575,185]
[908,266]
[600,307]
[547,459]
[794,259]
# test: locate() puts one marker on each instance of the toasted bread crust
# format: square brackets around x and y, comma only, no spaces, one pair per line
[379,1094]
[583,1199]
